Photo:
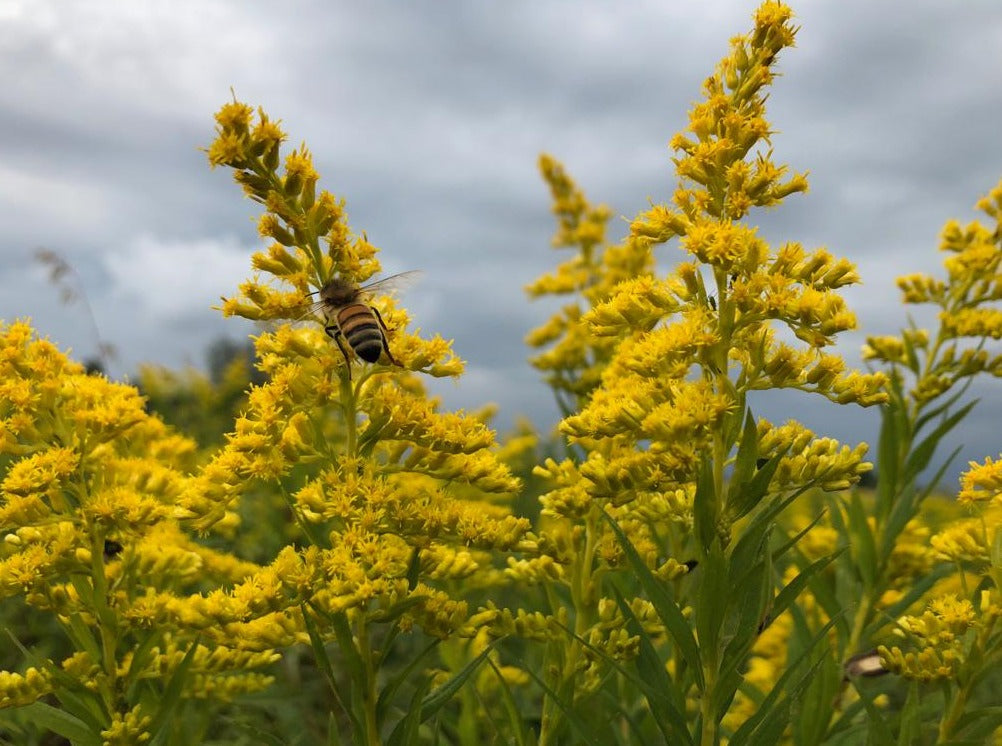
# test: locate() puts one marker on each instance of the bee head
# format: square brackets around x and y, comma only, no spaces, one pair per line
[339,292]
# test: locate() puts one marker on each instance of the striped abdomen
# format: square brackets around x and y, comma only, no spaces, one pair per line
[360,327]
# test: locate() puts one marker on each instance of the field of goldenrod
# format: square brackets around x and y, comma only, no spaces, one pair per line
[324,556]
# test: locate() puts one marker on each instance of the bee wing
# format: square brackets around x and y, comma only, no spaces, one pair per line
[308,308]
[389,284]
[393,283]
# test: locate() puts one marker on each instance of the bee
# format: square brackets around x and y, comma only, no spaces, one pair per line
[112,549]
[864,664]
[350,319]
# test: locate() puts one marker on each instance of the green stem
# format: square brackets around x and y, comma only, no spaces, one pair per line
[953,714]
[710,730]
[583,601]
[369,696]
[103,615]
[349,406]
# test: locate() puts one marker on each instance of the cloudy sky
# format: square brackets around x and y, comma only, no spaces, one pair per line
[428,118]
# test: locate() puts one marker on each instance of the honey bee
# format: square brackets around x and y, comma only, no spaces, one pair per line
[349,317]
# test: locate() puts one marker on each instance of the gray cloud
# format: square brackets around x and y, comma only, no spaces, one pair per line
[428,118]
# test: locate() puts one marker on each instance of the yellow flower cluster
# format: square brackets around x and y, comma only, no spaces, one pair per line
[88,497]
[694,344]
[23,689]
[939,633]
[966,302]
[127,729]
[575,354]
[312,243]
[981,483]
[388,492]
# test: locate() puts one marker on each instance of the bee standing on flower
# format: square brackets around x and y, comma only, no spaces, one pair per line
[349,316]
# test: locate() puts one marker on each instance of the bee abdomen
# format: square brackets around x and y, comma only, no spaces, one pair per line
[359,326]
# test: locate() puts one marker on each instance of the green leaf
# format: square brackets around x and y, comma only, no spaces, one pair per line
[752,493]
[585,734]
[667,609]
[443,694]
[764,716]
[333,731]
[75,699]
[324,664]
[346,644]
[751,599]
[879,733]
[747,546]
[406,730]
[813,713]
[140,657]
[926,417]
[795,539]
[82,637]
[792,590]
[171,698]
[62,723]
[915,591]
[979,723]
[933,483]
[910,720]
[712,596]
[894,433]
[744,462]
[862,541]
[659,690]
[705,508]
[921,454]
[515,720]
[385,698]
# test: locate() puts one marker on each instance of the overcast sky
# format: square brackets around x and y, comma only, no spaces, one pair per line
[428,117]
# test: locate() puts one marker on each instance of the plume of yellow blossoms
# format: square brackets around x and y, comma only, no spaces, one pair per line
[671,451]
[967,314]
[89,486]
[698,342]
[575,357]
[392,498]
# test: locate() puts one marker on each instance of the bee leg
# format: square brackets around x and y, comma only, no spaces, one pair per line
[386,346]
[379,318]
[334,333]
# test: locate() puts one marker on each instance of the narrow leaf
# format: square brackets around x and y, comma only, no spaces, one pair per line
[792,590]
[667,609]
[171,697]
[910,718]
[406,730]
[585,734]
[921,454]
[862,541]
[754,491]
[659,690]
[704,507]
[745,461]
[515,720]
[62,723]
[879,732]
[438,698]
[388,691]
[746,734]
[327,669]
[712,598]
